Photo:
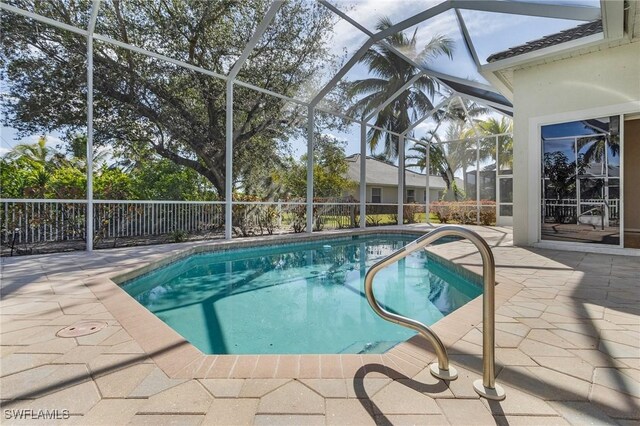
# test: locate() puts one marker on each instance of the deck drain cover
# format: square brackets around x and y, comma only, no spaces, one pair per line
[81,329]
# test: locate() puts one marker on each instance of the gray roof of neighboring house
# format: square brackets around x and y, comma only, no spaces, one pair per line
[575,33]
[381,173]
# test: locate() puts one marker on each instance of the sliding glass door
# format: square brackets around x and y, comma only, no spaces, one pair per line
[581,181]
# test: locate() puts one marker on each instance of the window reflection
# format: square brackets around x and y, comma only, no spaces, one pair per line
[580,181]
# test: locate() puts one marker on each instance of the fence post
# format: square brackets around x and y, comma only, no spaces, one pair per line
[280,215]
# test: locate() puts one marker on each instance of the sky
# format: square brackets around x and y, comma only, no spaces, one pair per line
[490,32]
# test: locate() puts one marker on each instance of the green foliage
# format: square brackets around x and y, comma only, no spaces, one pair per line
[161,179]
[14,178]
[179,236]
[561,174]
[142,103]
[112,184]
[27,169]
[329,171]
[68,183]
[391,73]
[37,171]
[249,219]
[444,158]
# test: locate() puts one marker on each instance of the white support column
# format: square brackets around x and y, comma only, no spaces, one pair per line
[478,141]
[400,180]
[310,129]
[95,7]
[363,174]
[228,181]
[89,159]
[497,145]
[478,182]
[427,165]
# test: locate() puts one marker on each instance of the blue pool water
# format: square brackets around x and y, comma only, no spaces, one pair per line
[299,298]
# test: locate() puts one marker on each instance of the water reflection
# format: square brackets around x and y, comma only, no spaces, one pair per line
[305,299]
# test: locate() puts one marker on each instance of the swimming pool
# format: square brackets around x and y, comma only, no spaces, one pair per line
[299,298]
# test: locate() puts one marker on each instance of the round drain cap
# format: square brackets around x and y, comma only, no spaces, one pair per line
[83,328]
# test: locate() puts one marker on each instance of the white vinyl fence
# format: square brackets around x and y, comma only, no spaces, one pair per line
[39,221]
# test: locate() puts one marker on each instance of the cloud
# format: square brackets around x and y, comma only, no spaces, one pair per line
[367,13]
[50,140]
[490,32]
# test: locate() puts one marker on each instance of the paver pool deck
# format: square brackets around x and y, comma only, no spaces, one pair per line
[567,337]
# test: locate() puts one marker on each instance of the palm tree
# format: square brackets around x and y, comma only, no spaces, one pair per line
[504,127]
[39,160]
[390,73]
[465,111]
[439,163]
[34,154]
[455,155]
[596,147]
[462,153]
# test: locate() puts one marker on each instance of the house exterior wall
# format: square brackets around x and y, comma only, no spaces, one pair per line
[592,85]
[390,194]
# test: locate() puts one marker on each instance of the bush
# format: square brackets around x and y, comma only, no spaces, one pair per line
[410,211]
[464,212]
[179,236]
[253,219]
[299,222]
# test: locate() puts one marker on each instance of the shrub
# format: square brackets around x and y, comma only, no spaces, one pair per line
[464,212]
[179,236]
[253,219]
[410,211]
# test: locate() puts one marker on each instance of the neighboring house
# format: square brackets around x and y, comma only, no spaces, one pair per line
[576,96]
[382,182]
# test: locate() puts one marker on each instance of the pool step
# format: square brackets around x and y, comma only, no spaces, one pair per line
[363,347]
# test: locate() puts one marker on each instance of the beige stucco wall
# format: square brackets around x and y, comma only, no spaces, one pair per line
[597,84]
[390,194]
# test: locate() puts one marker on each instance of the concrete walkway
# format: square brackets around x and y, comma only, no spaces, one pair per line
[568,338]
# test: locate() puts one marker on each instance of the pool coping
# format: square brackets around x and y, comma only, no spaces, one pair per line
[178,358]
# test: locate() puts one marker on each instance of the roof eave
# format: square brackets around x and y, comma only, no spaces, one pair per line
[493,71]
[544,53]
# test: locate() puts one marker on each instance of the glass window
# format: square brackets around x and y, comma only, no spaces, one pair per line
[376,195]
[580,177]
[506,190]
[505,155]
[591,189]
[411,195]
[506,210]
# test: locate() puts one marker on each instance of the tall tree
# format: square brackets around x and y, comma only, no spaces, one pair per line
[143,101]
[31,165]
[389,73]
[504,128]
[329,170]
[439,163]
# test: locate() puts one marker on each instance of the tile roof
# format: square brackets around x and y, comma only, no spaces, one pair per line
[381,173]
[575,33]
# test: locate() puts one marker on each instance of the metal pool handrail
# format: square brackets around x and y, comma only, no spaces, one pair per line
[487,386]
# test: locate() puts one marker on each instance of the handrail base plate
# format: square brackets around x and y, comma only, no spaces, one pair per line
[494,394]
[450,374]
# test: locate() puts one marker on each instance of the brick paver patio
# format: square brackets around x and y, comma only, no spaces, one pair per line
[567,335]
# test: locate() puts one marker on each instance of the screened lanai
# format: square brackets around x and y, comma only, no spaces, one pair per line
[247,102]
